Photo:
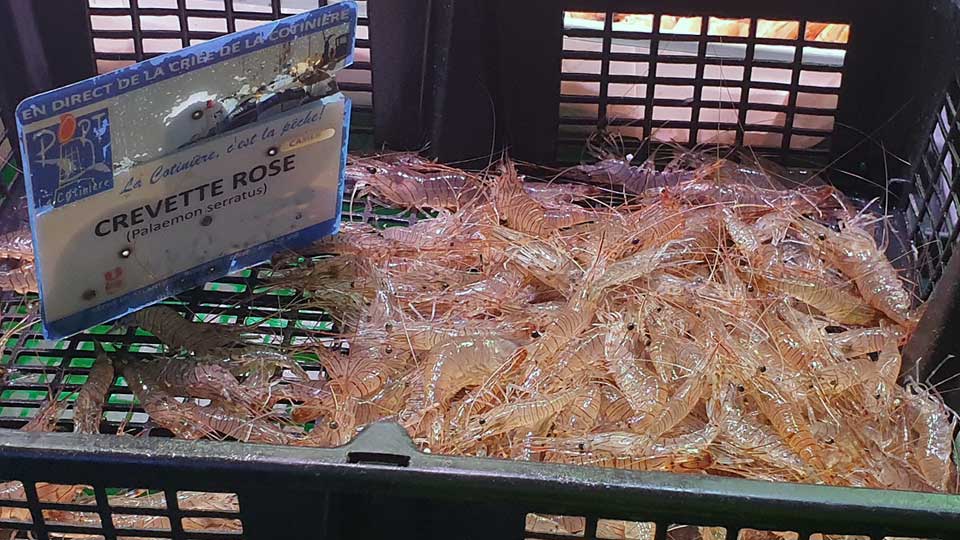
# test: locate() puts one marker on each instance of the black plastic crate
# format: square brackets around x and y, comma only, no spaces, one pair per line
[471,77]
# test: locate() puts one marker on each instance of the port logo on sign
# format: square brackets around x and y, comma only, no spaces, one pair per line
[71,160]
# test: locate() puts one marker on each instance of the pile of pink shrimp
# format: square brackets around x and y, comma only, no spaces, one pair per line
[688,320]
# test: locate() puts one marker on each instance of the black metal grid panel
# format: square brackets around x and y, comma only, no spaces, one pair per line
[97,511]
[933,209]
[127,31]
[39,370]
[645,75]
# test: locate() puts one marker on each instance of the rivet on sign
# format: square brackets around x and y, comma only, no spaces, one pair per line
[89,294]
[206,220]
[197,114]
[272,151]
[125,252]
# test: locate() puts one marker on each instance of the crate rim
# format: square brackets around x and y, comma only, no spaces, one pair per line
[375,460]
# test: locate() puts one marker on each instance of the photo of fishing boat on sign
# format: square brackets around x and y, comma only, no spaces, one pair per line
[296,84]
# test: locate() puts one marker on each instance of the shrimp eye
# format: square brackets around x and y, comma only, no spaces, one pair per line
[581,447]
[389,349]
[535,334]
[763,369]
[388,327]
[829,440]
[372,170]
[635,241]
[631,326]
[481,421]
[503,221]
[749,288]
[334,425]
[740,388]
[822,236]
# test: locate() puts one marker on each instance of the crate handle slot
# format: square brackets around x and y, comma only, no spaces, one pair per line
[378,458]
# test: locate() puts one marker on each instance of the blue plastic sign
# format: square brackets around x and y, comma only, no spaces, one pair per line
[156,178]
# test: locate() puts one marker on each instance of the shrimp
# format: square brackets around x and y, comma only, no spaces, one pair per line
[786,420]
[352,377]
[832,302]
[179,333]
[856,253]
[196,378]
[522,213]
[934,426]
[682,402]
[458,363]
[549,264]
[519,414]
[865,340]
[582,414]
[17,244]
[20,278]
[839,378]
[630,445]
[641,389]
[635,266]
[188,420]
[560,194]
[88,407]
[635,180]
[406,187]
[753,438]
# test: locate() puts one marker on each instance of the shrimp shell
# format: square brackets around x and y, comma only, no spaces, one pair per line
[865,340]
[832,302]
[179,333]
[934,426]
[529,413]
[522,213]
[352,377]
[16,244]
[786,420]
[582,414]
[406,187]
[856,253]
[680,405]
[457,363]
[88,407]
[21,279]
[642,390]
